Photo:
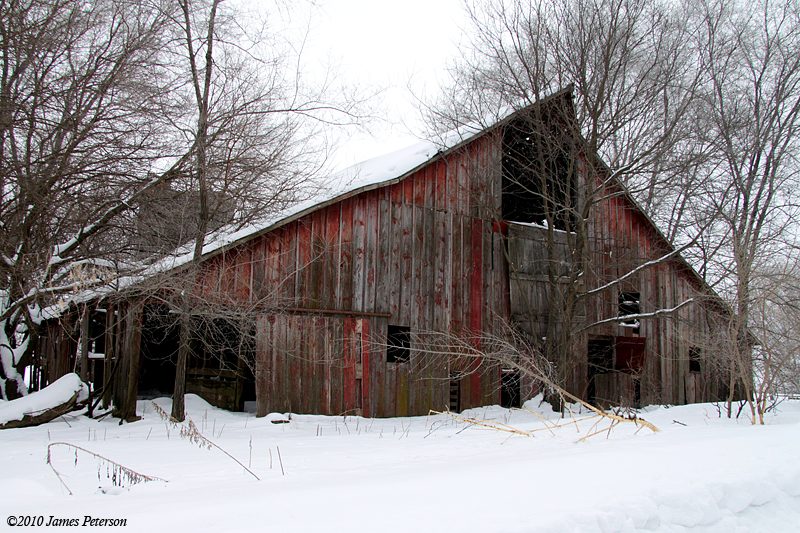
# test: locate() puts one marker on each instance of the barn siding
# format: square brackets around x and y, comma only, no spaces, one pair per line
[427,252]
[412,254]
[621,230]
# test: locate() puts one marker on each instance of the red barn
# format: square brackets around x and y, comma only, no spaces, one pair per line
[337,293]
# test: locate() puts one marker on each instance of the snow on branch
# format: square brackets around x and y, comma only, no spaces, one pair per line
[63,391]
[60,251]
[637,316]
[639,268]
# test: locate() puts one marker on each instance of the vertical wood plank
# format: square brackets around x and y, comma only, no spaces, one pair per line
[333,243]
[262,366]
[371,261]
[308,265]
[384,259]
[396,262]
[366,370]
[346,255]
[476,304]
[349,373]
[359,252]
[407,261]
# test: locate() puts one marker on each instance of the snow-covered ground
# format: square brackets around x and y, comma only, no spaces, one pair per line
[701,472]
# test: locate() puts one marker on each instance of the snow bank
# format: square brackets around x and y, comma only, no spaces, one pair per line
[51,396]
[701,473]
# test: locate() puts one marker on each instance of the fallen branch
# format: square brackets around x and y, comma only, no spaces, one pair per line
[490,424]
[550,426]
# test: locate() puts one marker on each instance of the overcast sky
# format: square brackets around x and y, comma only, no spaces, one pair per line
[389,44]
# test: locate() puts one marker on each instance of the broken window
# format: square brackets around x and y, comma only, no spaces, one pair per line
[538,172]
[398,344]
[694,360]
[629,305]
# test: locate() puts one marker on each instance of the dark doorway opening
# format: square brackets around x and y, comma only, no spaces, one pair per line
[219,368]
[97,349]
[510,388]
[159,350]
[601,361]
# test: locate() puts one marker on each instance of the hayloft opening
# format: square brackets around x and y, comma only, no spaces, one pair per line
[538,172]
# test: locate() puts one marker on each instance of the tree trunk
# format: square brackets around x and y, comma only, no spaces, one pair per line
[178,396]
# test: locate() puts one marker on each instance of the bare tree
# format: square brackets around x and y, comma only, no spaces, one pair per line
[109,110]
[256,131]
[750,62]
[80,128]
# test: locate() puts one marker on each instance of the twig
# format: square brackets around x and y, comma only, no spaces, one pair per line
[280,460]
[498,426]
[540,417]
[193,434]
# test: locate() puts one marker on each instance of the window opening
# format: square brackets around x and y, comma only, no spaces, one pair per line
[629,305]
[398,344]
[694,360]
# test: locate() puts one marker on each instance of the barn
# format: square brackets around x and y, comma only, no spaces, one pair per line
[325,307]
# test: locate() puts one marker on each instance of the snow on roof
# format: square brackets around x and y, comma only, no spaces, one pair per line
[366,175]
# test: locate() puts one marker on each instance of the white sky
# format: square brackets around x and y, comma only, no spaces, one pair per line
[389,44]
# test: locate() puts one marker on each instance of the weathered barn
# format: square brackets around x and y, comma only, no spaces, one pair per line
[335,295]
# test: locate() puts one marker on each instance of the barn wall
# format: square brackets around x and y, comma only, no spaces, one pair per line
[420,253]
[621,238]
[425,253]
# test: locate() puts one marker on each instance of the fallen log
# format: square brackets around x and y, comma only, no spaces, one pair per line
[64,395]
[30,420]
